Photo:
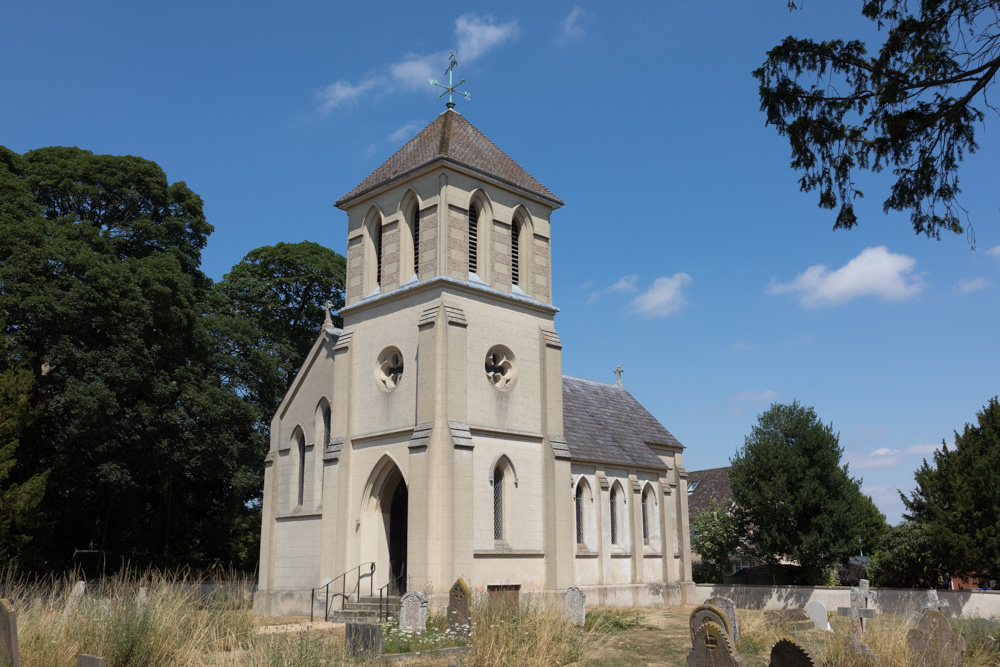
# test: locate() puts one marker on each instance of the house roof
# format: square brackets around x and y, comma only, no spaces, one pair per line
[451,137]
[713,487]
[604,423]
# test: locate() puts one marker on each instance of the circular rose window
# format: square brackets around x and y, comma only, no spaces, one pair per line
[389,369]
[500,367]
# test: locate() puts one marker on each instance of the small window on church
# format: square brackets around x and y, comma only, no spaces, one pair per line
[498,504]
[389,369]
[473,239]
[500,368]
[645,516]
[378,256]
[515,235]
[300,441]
[415,226]
[614,515]
[579,514]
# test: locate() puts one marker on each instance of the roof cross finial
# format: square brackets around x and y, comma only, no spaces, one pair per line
[450,88]
[618,372]
[328,321]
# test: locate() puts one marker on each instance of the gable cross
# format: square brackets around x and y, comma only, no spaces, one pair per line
[449,90]
[328,321]
[618,374]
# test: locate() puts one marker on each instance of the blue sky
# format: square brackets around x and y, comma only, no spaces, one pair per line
[685,252]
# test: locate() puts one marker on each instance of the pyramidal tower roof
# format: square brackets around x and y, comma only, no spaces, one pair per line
[450,137]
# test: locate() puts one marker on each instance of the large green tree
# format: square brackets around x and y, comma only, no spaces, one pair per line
[912,107]
[793,500]
[906,557]
[714,538]
[151,456]
[956,502]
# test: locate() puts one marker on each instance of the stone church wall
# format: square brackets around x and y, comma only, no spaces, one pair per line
[297,553]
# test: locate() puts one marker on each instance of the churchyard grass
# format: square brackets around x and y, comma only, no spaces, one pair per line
[436,636]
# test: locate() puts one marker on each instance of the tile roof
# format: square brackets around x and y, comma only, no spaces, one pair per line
[713,486]
[451,136]
[604,423]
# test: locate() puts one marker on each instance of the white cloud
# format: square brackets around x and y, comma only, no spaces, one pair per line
[412,72]
[883,457]
[406,131]
[624,284]
[477,35]
[995,251]
[965,285]
[665,297]
[342,92]
[876,272]
[756,396]
[570,28]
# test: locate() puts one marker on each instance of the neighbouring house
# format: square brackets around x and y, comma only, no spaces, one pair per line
[435,436]
[710,487]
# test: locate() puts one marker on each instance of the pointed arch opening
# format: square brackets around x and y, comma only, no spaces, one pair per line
[480,221]
[299,447]
[383,524]
[618,522]
[520,251]
[651,538]
[503,481]
[409,217]
[374,224]
[586,520]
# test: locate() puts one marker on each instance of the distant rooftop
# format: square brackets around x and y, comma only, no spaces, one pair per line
[706,487]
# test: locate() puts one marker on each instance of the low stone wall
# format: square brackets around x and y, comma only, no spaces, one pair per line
[972,604]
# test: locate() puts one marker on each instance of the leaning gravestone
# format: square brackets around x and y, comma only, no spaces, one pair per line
[713,647]
[85,660]
[413,611]
[458,607]
[709,613]
[74,597]
[729,608]
[8,635]
[934,644]
[817,613]
[789,653]
[363,639]
[576,606]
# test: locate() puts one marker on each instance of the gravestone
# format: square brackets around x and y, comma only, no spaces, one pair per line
[789,653]
[729,608]
[576,606]
[86,660]
[713,647]
[859,613]
[363,639]
[413,611]
[8,635]
[709,613]
[934,644]
[818,615]
[74,597]
[458,607]
[932,602]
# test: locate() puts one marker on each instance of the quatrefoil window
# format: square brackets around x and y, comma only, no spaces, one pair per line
[500,367]
[389,370]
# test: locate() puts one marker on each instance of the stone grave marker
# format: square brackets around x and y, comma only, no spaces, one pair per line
[932,602]
[729,608]
[933,643]
[74,597]
[458,607]
[575,602]
[713,647]
[413,611]
[363,639]
[705,613]
[789,653]
[87,660]
[859,612]
[8,635]
[818,615]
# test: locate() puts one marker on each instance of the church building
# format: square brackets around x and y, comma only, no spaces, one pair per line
[435,436]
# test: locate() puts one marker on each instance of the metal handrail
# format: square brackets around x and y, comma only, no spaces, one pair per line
[343,594]
[381,616]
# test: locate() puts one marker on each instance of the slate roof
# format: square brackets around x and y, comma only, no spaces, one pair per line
[604,423]
[450,136]
[713,486]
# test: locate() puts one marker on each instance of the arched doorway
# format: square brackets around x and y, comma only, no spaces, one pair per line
[383,525]
[396,538]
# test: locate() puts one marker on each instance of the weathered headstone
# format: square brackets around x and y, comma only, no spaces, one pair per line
[818,615]
[789,653]
[576,606]
[458,607]
[86,660]
[706,613]
[413,611]
[858,613]
[363,639]
[74,597]
[729,608]
[932,602]
[713,647]
[933,643]
[8,635]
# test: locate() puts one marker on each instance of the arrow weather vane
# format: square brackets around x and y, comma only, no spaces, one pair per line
[450,88]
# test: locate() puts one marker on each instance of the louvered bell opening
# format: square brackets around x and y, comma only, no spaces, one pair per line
[415,226]
[498,504]
[579,515]
[378,256]
[515,235]
[645,519]
[473,240]
[614,516]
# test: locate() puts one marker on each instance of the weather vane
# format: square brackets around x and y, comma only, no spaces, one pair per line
[450,88]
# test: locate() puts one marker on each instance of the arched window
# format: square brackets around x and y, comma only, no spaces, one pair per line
[378,254]
[614,514]
[579,514]
[498,503]
[515,251]
[415,229]
[300,443]
[646,501]
[473,239]
[322,425]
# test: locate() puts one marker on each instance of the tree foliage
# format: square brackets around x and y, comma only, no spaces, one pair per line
[912,107]
[956,502]
[792,498]
[905,558]
[714,538]
[151,455]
